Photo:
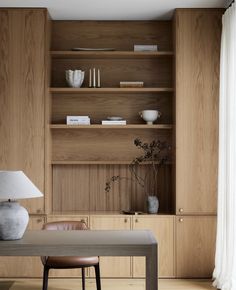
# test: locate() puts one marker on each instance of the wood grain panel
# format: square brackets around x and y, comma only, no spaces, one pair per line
[111,105]
[82,188]
[195,246]
[112,266]
[163,229]
[19,267]
[122,35]
[103,144]
[153,72]
[197,91]
[22,76]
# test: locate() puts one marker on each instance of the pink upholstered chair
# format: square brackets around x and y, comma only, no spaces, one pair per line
[69,262]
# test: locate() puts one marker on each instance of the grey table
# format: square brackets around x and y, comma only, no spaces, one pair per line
[88,243]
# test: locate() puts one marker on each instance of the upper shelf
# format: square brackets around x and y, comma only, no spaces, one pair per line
[108,90]
[111,54]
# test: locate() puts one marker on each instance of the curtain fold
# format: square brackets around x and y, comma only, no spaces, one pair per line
[225,259]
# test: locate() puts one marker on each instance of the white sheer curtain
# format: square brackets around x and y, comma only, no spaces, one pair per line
[225,259]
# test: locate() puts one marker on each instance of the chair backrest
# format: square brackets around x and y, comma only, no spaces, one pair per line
[65,226]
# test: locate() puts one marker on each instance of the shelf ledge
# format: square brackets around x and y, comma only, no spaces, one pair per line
[108,90]
[123,127]
[110,54]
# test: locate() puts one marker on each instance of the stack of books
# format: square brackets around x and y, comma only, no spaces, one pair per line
[115,122]
[144,47]
[134,84]
[77,120]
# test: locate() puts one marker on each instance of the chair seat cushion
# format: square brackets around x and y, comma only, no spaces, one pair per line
[64,262]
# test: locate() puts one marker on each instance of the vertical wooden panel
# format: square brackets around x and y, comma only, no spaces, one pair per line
[163,229]
[195,246]
[197,35]
[22,80]
[113,266]
[82,188]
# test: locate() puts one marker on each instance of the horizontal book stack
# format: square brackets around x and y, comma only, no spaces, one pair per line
[116,122]
[77,120]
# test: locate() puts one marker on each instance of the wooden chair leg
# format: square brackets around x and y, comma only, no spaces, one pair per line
[83,278]
[98,279]
[45,278]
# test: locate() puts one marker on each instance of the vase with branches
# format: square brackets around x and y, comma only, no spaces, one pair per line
[154,154]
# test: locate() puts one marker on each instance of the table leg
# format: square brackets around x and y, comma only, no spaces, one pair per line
[151,269]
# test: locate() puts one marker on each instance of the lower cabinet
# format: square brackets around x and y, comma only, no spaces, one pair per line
[195,246]
[112,266]
[163,229]
[67,272]
[20,267]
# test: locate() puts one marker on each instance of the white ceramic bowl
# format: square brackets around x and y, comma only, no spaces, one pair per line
[150,116]
[74,78]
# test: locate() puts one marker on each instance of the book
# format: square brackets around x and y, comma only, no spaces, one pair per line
[144,47]
[107,122]
[77,120]
[135,84]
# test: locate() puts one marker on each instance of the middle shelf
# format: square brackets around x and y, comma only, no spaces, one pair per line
[98,126]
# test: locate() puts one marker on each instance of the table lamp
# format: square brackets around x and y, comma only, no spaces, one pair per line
[14,218]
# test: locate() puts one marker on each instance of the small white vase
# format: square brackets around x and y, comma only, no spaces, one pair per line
[75,78]
[152,204]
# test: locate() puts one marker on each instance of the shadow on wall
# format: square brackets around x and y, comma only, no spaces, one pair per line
[6,285]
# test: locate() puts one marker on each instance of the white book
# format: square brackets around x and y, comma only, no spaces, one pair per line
[106,122]
[77,120]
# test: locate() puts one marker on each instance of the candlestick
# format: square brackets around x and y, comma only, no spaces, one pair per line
[90,78]
[94,78]
[99,79]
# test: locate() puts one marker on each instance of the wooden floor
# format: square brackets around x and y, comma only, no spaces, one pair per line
[108,284]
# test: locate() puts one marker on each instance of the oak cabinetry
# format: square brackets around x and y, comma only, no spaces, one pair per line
[113,266]
[197,48]
[195,246]
[19,267]
[163,229]
[22,96]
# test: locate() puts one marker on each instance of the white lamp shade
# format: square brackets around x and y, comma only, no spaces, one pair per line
[16,185]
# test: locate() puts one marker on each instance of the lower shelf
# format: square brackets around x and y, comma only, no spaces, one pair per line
[98,126]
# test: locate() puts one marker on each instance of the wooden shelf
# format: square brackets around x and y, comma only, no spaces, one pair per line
[110,54]
[108,90]
[98,162]
[123,127]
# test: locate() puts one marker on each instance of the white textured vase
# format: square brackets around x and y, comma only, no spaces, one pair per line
[75,78]
[152,204]
[13,220]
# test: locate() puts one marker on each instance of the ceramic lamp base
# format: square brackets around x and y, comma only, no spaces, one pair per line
[13,220]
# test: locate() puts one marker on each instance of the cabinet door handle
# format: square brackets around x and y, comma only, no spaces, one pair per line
[181,220]
[39,220]
[125,220]
[136,220]
[181,210]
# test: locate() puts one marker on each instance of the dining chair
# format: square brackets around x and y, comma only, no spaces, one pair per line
[69,262]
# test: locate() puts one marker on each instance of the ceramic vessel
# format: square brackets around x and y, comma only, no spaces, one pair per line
[13,220]
[152,204]
[74,78]
[150,116]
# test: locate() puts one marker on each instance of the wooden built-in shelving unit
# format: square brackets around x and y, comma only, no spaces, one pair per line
[105,150]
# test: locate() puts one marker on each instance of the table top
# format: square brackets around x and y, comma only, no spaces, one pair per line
[80,243]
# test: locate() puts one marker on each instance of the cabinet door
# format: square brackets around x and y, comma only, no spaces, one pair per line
[19,267]
[112,266]
[163,229]
[195,246]
[67,272]
[22,82]
[198,33]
